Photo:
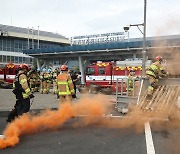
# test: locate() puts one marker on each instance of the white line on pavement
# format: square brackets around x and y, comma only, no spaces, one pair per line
[2,137]
[149,140]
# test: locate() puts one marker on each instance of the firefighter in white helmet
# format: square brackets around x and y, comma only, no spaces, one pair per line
[65,85]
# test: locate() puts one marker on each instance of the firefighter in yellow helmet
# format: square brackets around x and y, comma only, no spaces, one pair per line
[153,73]
[22,90]
[65,85]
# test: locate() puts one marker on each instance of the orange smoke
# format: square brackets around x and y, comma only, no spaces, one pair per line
[95,107]
[49,120]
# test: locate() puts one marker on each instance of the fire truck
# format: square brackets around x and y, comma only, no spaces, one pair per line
[102,76]
[7,74]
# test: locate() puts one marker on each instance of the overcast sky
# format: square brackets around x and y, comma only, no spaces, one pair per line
[84,17]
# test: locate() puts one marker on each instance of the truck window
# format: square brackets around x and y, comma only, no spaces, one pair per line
[90,71]
[101,70]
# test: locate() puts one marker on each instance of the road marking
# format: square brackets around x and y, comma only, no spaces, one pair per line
[149,140]
[2,137]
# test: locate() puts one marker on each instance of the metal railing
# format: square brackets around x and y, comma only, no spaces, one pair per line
[127,86]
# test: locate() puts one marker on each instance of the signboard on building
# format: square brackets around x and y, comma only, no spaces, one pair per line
[99,38]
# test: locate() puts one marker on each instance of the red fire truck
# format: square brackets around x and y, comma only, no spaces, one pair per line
[103,75]
[7,74]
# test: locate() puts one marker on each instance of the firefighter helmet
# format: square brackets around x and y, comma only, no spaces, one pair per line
[44,70]
[24,66]
[132,70]
[49,70]
[64,67]
[159,58]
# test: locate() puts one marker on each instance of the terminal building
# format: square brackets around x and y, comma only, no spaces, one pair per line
[13,40]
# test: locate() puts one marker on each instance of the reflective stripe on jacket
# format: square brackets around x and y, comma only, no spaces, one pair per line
[25,85]
[65,85]
[47,77]
[155,69]
[130,81]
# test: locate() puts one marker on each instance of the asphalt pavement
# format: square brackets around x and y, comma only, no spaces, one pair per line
[89,139]
[80,140]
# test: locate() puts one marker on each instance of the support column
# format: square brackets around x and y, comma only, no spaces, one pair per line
[134,55]
[38,64]
[46,64]
[81,70]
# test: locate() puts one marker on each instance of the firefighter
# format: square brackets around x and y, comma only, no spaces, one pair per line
[65,85]
[153,73]
[37,81]
[45,78]
[131,77]
[48,78]
[42,82]
[22,90]
[54,78]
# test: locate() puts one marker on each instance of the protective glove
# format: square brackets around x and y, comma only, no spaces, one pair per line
[74,96]
[31,96]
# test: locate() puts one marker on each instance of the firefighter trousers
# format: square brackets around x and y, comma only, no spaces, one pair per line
[44,87]
[54,87]
[65,98]
[23,106]
[152,84]
[48,86]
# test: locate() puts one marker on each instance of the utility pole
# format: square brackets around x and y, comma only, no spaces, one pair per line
[144,42]
[144,56]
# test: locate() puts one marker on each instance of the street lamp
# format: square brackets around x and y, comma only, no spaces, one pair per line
[126,29]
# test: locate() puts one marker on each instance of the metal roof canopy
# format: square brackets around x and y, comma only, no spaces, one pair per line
[134,46]
[12,31]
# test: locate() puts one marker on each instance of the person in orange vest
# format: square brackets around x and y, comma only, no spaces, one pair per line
[65,85]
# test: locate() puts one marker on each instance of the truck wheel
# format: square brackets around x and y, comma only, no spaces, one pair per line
[106,91]
[83,89]
[94,89]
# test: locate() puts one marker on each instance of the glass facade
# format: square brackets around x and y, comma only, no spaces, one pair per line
[15,59]
[14,44]
[18,44]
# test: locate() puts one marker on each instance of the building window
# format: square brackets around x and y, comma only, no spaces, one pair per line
[4,59]
[12,59]
[8,59]
[16,60]
[20,60]
[0,58]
